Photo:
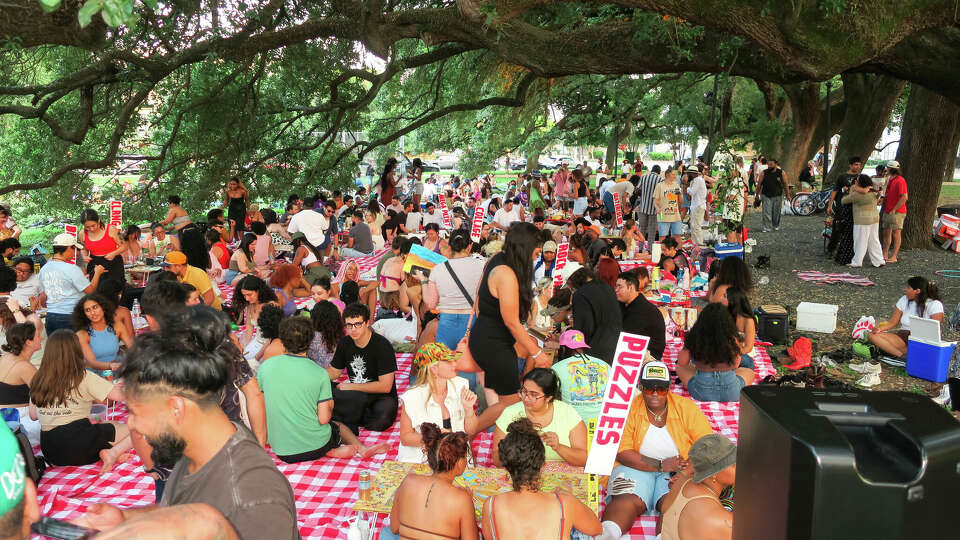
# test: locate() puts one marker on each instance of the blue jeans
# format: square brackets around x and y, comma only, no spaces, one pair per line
[746,361]
[351,253]
[716,386]
[57,321]
[669,228]
[649,486]
[608,202]
[229,276]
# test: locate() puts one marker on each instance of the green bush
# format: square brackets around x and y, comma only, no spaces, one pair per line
[598,154]
[661,156]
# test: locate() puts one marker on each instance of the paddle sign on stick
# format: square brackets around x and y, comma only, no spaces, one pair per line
[72,229]
[445,212]
[116,214]
[618,208]
[562,251]
[624,376]
[477,228]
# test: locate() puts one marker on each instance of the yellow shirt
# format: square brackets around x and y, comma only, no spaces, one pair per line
[199,279]
[685,423]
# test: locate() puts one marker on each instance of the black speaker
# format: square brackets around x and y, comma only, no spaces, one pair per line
[822,465]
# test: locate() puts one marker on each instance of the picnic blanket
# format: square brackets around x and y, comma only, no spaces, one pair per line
[326,489]
[820,277]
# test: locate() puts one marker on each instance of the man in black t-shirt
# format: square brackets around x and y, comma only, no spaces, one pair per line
[773,186]
[369,396]
[639,315]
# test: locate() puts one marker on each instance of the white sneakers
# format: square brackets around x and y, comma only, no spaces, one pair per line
[944,398]
[866,367]
[870,379]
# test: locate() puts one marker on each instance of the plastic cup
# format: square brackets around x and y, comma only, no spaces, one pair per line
[98,413]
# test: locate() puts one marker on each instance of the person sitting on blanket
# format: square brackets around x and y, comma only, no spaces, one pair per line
[661,427]
[921,298]
[438,395]
[369,397]
[709,363]
[731,272]
[451,513]
[562,431]
[527,513]
[173,387]
[693,509]
[738,304]
[670,249]
[582,377]
[297,391]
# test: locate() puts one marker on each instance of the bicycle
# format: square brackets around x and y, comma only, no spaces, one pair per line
[806,203]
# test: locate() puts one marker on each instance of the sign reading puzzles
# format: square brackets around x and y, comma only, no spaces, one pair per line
[562,251]
[618,208]
[624,376]
[116,214]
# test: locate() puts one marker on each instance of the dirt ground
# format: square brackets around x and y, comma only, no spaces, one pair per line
[799,246]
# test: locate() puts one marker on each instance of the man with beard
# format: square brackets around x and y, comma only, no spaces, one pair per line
[173,389]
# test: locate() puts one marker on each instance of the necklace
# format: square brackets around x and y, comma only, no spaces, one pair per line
[659,417]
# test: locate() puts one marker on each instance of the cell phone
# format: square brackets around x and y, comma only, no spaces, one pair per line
[63,530]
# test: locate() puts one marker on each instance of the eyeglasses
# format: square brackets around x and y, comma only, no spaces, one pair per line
[351,325]
[22,270]
[656,390]
[527,394]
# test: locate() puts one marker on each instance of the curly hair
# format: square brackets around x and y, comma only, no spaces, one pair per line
[252,283]
[327,322]
[444,450]
[713,339]
[522,454]
[269,321]
[283,275]
[79,319]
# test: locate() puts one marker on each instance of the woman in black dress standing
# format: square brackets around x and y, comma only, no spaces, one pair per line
[498,336]
[842,229]
[238,198]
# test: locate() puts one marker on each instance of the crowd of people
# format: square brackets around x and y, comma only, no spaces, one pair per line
[261,329]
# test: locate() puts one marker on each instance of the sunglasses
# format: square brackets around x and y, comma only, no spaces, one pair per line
[655,390]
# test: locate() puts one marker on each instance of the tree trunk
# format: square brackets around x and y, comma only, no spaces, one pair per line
[725,114]
[533,161]
[612,144]
[804,99]
[928,147]
[869,101]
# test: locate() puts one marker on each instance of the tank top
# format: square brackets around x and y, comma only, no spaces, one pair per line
[288,307]
[104,344]
[224,258]
[261,249]
[489,321]
[13,394]
[161,245]
[671,518]
[101,247]
[772,183]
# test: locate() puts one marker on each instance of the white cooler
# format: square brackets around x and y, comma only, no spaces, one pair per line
[813,317]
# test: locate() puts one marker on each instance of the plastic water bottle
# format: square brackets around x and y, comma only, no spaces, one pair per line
[696,266]
[135,312]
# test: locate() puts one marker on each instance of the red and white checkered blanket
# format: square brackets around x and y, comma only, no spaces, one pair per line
[326,489]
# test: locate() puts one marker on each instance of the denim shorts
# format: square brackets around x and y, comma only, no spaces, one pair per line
[649,486]
[669,228]
[716,386]
[608,203]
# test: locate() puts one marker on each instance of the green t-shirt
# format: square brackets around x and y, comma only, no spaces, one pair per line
[582,381]
[565,418]
[292,387]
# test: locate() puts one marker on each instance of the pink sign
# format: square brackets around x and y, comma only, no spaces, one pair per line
[116,214]
[562,251]
[72,229]
[477,224]
[618,208]
[624,376]
[445,211]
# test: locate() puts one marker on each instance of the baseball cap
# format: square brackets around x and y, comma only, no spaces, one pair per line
[893,164]
[175,257]
[12,470]
[297,236]
[573,339]
[66,240]
[550,246]
[434,352]
[711,454]
[655,375]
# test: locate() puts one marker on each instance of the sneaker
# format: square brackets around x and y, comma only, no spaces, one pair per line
[944,398]
[891,361]
[776,228]
[865,367]
[870,379]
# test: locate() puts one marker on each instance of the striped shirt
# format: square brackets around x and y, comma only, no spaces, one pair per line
[644,193]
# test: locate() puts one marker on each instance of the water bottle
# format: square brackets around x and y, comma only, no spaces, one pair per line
[696,266]
[135,312]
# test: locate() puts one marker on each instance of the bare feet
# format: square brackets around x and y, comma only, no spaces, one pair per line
[111,458]
[346,451]
[371,451]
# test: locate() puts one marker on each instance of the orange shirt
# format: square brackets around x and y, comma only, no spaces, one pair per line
[685,423]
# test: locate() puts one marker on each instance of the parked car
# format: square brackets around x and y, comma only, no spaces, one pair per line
[427,166]
[447,161]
